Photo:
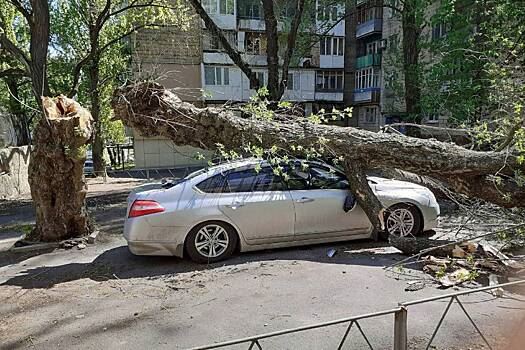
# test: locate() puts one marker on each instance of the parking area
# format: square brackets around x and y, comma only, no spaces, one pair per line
[104,297]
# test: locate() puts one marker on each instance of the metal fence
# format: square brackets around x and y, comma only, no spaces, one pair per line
[400,323]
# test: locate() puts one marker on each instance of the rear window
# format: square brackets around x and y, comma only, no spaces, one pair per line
[213,184]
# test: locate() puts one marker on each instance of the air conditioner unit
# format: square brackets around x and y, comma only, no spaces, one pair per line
[382,44]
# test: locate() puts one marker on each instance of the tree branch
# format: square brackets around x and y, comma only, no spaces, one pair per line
[290,46]
[17,53]
[25,12]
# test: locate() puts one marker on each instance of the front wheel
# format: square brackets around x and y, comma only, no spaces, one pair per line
[211,242]
[403,220]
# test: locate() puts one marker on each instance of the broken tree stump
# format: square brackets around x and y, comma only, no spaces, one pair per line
[56,170]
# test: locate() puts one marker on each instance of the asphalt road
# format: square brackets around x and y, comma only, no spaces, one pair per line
[104,297]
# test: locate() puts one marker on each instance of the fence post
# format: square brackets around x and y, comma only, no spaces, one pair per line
[400,329]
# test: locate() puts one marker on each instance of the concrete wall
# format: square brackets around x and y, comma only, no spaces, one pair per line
[14,162]
[158,152]
[7,132]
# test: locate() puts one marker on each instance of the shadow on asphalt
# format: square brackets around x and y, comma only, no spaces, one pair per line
[119,263]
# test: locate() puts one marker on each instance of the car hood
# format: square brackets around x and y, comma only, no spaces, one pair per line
[381,184]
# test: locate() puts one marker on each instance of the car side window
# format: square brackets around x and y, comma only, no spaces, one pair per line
[240,181]
[298,178]
[212,184]
[324,178]
[266,180]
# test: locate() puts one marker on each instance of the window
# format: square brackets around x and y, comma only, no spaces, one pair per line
[223,7]
[366,78]
[325,178]
[266,180]
[329,80]
[226,7]
[211,42]
[332,46]
[210,6]
[372,48]
[293,81]
[250,9]
[432,118]
[255,43]
[365,14]
[371,115]
[216,75]
[213,184]
[439,31]
[240,181]
[329,13]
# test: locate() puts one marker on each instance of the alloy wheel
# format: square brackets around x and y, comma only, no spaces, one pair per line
[211,241]
[400,222]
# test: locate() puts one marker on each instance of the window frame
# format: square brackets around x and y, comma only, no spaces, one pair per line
[219,76]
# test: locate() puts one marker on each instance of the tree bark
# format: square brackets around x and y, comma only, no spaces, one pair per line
[272,50]
[411,60]
[39,26]
[155,111]
[97,145]
[290,46]
[56,168]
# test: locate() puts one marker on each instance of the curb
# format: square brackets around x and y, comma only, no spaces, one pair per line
[34,247]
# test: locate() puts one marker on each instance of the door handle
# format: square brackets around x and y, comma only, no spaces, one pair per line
[235,205]
[305,200]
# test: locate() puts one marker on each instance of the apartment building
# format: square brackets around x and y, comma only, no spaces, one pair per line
[374,66]
[194,64]
[315,80]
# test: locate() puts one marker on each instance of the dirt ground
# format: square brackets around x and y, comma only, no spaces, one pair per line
[104,297]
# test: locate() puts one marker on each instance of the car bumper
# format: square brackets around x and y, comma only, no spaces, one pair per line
[144,239]
[430,215]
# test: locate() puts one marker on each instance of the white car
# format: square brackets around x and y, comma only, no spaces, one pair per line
[245,206]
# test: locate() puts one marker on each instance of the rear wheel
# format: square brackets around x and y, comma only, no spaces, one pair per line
[210,242]
[403,220]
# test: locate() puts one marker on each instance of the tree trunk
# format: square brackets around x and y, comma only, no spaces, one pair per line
[97,139]
[272,50]
[97,146]
[411,60]
[38,48]
[154,111]
[56,170]
[290,46]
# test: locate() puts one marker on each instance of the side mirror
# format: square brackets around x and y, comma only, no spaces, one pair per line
[350,203]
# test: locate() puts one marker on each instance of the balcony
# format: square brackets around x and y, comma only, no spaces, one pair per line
[368,60]
[366,95]
[369,27]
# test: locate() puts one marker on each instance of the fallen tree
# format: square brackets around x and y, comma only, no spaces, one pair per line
[154,111]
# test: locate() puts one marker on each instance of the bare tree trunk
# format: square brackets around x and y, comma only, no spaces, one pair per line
[411,60]
[56,170]
[272,50]
[154,111]
[39,26]
[97,139]
[290,46]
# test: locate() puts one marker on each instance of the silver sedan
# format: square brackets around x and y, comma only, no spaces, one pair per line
[246,206]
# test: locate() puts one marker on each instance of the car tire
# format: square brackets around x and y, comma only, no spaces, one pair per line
[210,242]
[406,214]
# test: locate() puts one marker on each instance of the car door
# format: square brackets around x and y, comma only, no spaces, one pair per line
[319,202]
[259,205]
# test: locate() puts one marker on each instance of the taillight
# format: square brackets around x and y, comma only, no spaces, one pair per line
[144,207]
